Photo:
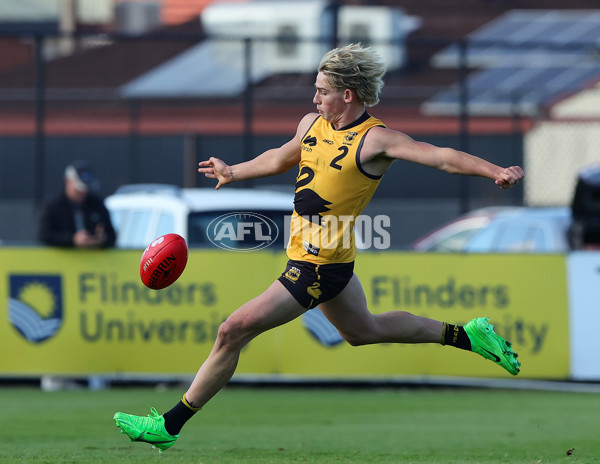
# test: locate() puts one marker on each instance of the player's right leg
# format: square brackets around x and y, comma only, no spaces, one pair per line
[149,429]
[275,307]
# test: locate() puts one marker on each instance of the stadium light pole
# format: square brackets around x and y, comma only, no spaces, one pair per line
[333,8]
[248,102]
[134,138]
[39,157]
[464,120]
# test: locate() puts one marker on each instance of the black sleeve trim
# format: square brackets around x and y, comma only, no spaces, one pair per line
[310,127]
[358,163]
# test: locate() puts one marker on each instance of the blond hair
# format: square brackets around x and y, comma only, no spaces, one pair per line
[357,68]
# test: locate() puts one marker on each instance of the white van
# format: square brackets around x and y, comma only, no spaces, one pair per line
[142,212]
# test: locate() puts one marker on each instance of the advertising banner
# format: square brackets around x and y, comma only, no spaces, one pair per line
[524,296]
[75,312]
[584,314]
[79,312]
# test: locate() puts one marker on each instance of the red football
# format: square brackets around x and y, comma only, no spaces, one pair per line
[163,261]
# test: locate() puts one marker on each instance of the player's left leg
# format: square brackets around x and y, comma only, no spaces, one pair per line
[349,313]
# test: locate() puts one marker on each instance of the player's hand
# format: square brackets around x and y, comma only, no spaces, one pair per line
[100,233]
[509,177]
[214,168]
[83,239]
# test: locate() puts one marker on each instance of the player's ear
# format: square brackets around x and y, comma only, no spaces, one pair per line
[349,95]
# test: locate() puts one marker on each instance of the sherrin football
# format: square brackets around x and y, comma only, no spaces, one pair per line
[163,261]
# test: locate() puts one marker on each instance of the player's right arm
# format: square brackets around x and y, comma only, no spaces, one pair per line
[269,163]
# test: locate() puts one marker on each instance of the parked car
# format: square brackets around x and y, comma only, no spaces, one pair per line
[502,230]
[585,208]
[142,212]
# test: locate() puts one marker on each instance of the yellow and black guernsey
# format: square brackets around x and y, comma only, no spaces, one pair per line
[332,189]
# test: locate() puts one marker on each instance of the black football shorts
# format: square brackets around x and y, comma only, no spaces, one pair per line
[312,284]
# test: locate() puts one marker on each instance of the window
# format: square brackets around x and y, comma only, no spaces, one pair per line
[116,218]
[287,40]
[165,224]
[360,33]
[133,230]
[520,238]
[455,242]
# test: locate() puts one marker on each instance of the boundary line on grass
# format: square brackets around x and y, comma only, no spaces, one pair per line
[291,381]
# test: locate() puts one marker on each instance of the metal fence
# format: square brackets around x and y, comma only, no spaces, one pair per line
[147,108]
[105,88]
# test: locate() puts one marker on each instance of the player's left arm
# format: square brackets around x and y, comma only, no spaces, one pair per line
[393,145]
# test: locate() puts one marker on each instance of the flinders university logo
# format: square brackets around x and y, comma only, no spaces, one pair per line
[35,305]
[319,327]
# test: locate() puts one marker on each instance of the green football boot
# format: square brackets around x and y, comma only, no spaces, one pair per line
[487,343]
[150,429]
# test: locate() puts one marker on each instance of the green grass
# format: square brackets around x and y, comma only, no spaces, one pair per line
[243,425]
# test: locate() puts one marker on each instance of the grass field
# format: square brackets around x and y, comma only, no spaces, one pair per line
[244,425]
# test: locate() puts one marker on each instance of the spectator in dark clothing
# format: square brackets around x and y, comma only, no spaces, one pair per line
[77,217]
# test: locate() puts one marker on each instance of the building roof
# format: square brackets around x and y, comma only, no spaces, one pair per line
[107,62]
[526,60]
[175,12]
[112,63]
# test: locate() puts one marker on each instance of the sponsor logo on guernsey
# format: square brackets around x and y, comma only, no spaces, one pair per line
[314,290]
[310,140]
[293,274]
[310,248]
[350,136]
